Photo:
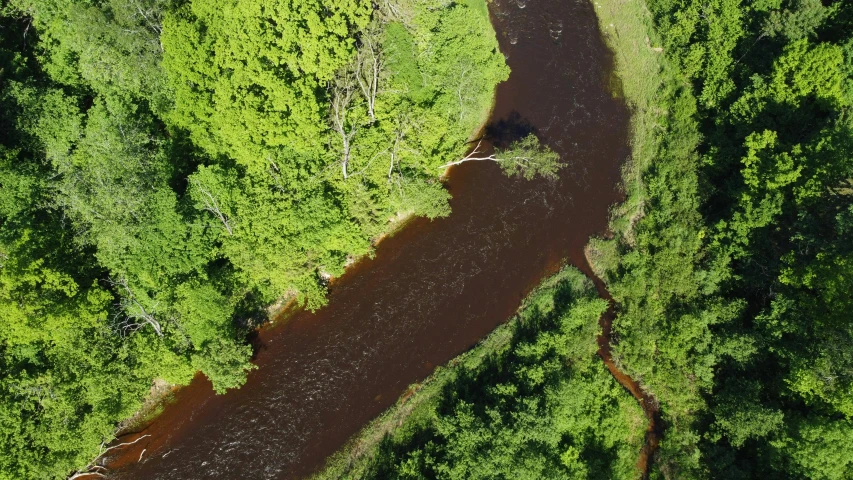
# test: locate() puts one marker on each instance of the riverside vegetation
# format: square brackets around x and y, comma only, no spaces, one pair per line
[169,169]
[531,401]
[732,258]
[730,262]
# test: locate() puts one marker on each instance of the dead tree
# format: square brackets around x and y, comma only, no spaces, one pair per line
[275,173]
[471,157]
[135,314]
[462,88]
[151,14]
[93,469]
[342,93]
[397,10]
[390,8]
[403,125]
[368,68]
[147,14]
[212,205]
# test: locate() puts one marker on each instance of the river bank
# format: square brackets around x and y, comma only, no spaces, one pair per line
[162,393]
[351,460]
[638,66]
[561,295]
[432,290]
[626,26]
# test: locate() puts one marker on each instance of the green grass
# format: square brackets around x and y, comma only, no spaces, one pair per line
[652,250]
[637,78]
[639,66]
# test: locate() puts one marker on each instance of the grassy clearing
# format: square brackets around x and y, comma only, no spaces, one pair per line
[640,69]
[639,77]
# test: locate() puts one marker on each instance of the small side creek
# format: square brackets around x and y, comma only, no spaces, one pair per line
[650,406]
[434,288]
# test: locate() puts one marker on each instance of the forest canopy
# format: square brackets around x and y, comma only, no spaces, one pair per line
[170,169]
[732,262]
[531,401]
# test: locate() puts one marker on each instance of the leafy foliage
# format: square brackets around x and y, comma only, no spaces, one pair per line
[528,158]
[728,279]
[167,170]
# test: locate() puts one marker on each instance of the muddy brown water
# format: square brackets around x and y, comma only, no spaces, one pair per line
[433,289]
[649,404]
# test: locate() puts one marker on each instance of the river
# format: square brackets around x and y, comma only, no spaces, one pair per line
[434,288]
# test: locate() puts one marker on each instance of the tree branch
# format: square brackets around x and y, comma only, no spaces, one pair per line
[212,205]
[130,301]
[123,444]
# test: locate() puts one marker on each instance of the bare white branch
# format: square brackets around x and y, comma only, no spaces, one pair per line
[368,68]
[403,126]
[211,204]
[124,444]
[342,93]
[470,157]
[134,311]
[86,474]
[461,89]
[93,469]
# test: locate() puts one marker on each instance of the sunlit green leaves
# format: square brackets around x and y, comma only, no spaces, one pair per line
[767,342]
[249,77]
[170,170]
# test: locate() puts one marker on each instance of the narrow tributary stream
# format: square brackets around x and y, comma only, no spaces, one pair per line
[433,289]
[651,409]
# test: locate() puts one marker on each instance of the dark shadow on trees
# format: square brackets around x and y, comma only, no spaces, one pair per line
[596,456]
